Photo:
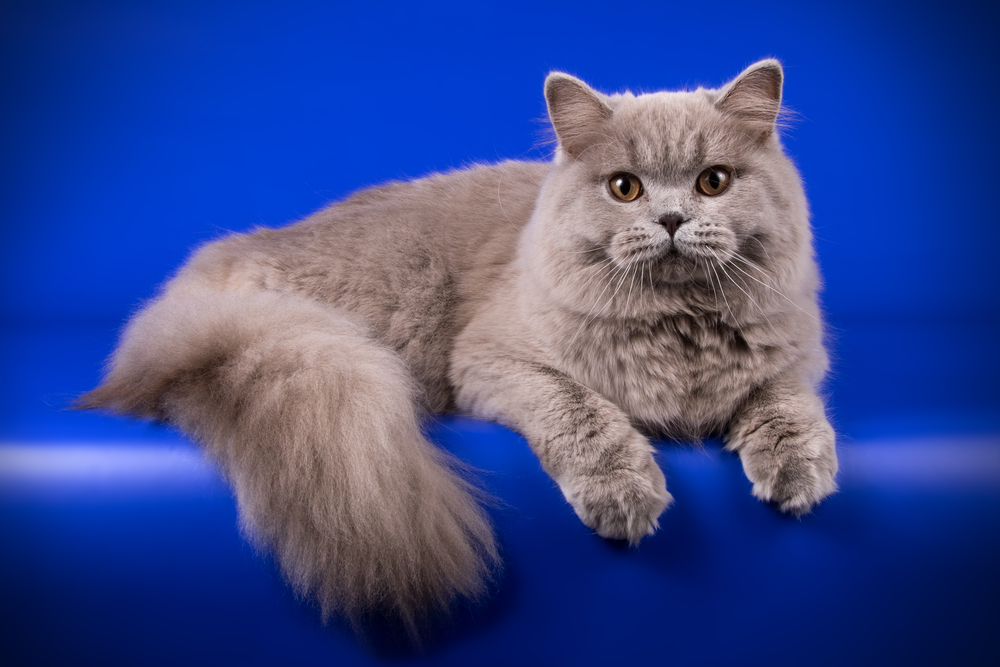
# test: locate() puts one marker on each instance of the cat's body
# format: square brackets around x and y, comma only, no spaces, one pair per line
[536,295]
[416,277]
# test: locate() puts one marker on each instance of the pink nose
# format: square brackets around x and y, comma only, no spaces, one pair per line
[671,221]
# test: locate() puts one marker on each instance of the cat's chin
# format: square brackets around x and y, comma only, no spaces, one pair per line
[675,268]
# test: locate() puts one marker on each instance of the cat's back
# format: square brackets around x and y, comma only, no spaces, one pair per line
[460,220]
[409,259]
[465,218]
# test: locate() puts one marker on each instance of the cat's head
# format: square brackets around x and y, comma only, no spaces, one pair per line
[663,201]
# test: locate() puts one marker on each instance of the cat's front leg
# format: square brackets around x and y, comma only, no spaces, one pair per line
[603,466]
[787,446]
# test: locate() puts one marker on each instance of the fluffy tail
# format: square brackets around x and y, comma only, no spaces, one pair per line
[314,424]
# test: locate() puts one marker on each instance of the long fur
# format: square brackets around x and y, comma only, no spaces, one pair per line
[316,428]
[302,357]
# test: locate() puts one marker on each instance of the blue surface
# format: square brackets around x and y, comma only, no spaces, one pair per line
[132,131]
[129,554]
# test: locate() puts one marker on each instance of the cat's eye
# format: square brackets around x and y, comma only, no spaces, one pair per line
[625,186]
[714,181]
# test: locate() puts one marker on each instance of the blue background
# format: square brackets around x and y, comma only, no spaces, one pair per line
[132,131]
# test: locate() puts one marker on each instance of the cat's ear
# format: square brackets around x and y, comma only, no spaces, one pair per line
[578,112]
[754,97]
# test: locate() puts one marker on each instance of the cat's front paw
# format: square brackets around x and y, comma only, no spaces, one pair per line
[621,503]
[791,463]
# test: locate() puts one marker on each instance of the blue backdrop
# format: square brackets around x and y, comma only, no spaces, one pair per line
[132,131]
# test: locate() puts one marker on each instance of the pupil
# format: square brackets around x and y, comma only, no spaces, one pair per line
[714,180]
[624,185]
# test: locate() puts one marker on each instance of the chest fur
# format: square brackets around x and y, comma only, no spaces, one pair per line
[682,374]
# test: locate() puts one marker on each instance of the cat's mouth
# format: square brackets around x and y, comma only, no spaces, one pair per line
[675,266]
[674,262]
[666,260]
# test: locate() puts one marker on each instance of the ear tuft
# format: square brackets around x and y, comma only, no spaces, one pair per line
[578,112]
[754,97]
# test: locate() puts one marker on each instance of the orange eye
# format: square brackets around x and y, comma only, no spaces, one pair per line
[714,181]
[625,187]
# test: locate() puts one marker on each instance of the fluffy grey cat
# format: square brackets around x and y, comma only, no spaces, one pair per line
[656,277]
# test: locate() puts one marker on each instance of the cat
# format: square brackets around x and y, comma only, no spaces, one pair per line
[657,277]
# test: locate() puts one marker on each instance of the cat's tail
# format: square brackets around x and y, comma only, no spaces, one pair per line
[314,424]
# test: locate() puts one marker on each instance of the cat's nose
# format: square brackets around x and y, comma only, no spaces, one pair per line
[671,221]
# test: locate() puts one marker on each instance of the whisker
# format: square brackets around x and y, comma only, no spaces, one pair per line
[752,265]
[642,274]
[733,281]
[586,319]
[766,276]
[628,300]
[712,283]
[596,248]
[618,270]
[807,313]
[735,321]
[619,285]
[605,263]
[762,247]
